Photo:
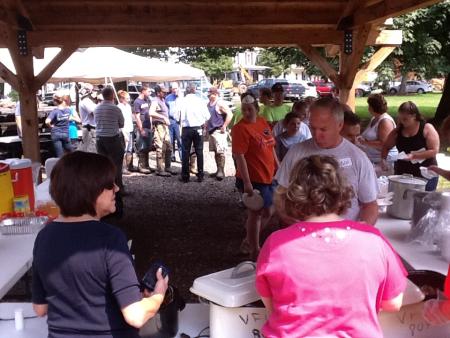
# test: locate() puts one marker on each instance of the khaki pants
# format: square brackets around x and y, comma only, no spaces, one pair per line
[161,139]
[218,142]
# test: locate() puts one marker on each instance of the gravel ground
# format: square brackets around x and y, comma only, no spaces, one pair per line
[196,228]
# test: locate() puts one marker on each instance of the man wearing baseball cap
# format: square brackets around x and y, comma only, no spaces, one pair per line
[159,112]
[221,116]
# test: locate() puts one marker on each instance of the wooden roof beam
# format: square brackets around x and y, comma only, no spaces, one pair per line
[8,76]
[379,12]
[16,15]
[232,36]
[318,60]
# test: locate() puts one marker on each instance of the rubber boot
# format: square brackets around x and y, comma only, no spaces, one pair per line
[220,161]
[159,166]
[168,163]
[193,164]
[143,164]
[129,162]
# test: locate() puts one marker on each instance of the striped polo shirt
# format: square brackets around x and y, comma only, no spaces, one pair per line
[109,119]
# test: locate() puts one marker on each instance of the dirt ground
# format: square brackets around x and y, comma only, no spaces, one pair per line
[195,228]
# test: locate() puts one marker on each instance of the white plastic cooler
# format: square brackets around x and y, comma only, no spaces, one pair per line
[230,294]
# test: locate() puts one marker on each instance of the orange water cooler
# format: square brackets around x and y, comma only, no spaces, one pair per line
[22,179]
[6,189]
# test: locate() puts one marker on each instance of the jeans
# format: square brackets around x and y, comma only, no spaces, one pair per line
[432,184]
[189,136]
[61,143]
[174,131]
[112,147]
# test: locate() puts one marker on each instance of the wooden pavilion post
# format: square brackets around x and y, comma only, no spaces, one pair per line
[27,86]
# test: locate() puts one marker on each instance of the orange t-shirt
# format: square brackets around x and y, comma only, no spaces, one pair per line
[255,141]
[447,284]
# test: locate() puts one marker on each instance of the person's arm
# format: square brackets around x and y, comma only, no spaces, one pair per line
[392,305]
[224,109]
[275,156]
[138,313]
[241,165]
[368,212]
[444,173]
[267,304]
[75,117]
[389,143]
[384,129]
[121,119]
[432,140]
[437,312]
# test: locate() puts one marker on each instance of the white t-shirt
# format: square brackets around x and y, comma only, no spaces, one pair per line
[354,164]
[278,129]
[127,117]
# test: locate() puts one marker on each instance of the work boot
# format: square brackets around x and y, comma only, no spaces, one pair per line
[159,166]
[143,164]
[129,162]
[220,162]
[125,170]
[168,163]
[193,164]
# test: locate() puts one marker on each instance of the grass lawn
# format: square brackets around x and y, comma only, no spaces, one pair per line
[427,104]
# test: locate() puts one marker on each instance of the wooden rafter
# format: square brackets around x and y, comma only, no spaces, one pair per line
[51,68]
[380,11]
[314,56]
[375,60]
[9,76]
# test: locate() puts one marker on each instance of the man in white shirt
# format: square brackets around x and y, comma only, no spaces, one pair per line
[87,107]
[326,122]
[193,116]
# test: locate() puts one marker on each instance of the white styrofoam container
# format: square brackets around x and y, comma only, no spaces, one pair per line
[233,287]
[239,322]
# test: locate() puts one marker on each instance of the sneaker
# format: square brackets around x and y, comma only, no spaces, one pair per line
[184,180]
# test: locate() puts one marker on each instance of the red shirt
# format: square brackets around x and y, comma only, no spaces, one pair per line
[256,143]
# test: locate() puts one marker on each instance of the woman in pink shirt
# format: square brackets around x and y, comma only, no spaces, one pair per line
[324,276]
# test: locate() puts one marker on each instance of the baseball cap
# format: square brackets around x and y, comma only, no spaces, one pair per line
[160,88]
[277,87]
[213,90]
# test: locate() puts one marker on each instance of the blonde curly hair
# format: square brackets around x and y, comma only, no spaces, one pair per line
[316,187]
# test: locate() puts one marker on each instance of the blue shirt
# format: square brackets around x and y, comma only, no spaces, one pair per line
[172,102]
[59,118]
[84,272]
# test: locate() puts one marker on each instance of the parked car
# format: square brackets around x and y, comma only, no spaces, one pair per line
[324,88]
[292,91]
[413,86]
[363,89]
[310,88]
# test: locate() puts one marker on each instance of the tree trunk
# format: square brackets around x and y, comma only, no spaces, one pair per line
[443,108]
[402,88]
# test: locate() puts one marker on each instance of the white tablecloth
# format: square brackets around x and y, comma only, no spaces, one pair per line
[193,319]
[16,254]
[419,256]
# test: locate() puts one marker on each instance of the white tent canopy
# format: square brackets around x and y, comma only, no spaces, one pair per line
[95,64]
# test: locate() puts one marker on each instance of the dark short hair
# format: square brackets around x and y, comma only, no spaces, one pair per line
[410,107]
[191,88]
[378,103]
[316,187]
[292,115]
[265,92]
[277,88]
[143,88]
[351,119]
[108,93]
[77,180]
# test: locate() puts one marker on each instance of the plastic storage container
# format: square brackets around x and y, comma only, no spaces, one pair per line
[6,188]
[22,179]
[232,296]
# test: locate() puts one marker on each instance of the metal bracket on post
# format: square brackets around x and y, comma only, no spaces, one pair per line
[348,42]
[22,42]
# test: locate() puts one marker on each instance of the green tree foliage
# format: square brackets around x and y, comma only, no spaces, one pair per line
[268,58]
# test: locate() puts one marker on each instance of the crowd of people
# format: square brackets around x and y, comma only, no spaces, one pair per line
[327,272]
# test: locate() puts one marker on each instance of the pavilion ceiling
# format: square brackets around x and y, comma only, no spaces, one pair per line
[195,23]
